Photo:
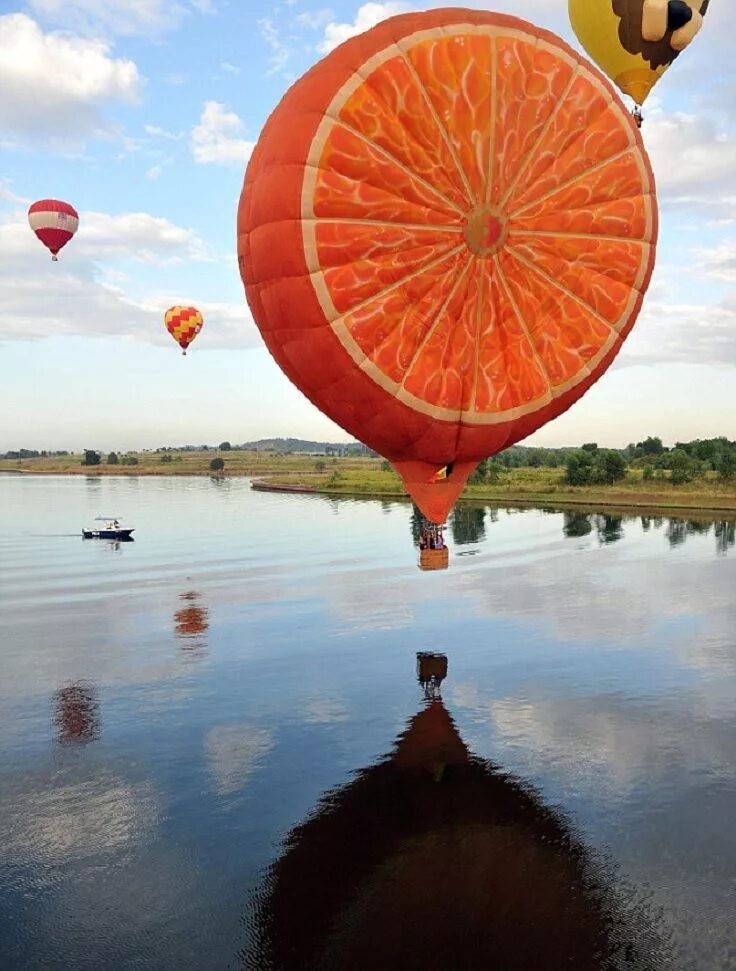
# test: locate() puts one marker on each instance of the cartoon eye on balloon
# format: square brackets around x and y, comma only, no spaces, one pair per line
[445,233]
[54,222]
[635,41]
[183,323]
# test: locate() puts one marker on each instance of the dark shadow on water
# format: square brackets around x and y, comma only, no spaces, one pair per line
[436,859]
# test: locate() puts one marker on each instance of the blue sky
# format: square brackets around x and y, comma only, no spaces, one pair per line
[142,114]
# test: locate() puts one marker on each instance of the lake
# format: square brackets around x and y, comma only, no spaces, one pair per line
[215,751]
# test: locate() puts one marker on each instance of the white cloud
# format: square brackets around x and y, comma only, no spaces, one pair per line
[216,138]
[230,68]
[136,235]
[125,17]
[368,15]
[693,157]
[280,50]
[7,194]
[692,333]
[155,171]
[315,19]
[54,85]
[233,752]
[78,820]
[156,132]
[719,262]
[85,295]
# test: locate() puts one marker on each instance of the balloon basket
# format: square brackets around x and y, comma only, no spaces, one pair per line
[434,559]
[54,258]
[431,667]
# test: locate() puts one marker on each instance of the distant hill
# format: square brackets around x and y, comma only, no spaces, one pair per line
[301,445]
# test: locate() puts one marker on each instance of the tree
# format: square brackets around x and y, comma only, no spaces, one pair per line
[112,458]
[91,457]
[129,460]
[320,465]
[217,464]
[609,467]
[225,446]
[579,468]
[488,470]
[648,473]
[590,447]
[651,446]
[726,465]
[682,467]
[166,458]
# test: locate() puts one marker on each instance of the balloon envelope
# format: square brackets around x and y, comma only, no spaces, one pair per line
[615,32]
[445,234]
[183,323]
[54,222]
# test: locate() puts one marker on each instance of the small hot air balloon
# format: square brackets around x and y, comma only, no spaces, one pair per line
[635,41]
[54,222]
[183,323]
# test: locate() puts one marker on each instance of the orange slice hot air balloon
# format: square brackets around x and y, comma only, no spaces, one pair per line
[183,323]
[445,234]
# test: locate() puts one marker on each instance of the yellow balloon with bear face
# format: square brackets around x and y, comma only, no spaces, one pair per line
[635,41]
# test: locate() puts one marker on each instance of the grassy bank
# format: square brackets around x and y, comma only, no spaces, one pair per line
[534,486]
[367,477]
[190,463]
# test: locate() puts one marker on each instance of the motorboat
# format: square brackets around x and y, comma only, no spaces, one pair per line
[107,527]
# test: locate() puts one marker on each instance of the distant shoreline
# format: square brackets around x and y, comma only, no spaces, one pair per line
[370,478]
[615,501]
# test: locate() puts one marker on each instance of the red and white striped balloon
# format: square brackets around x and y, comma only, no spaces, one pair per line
[54,222]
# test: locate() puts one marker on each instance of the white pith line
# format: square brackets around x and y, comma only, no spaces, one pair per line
[563,289]
[522,322]
[453,290]
[492,137]
[538,140]
[567,234]
[423,268]
[442,130]
[387,224]
[478,321]
[572,181]
[414,176]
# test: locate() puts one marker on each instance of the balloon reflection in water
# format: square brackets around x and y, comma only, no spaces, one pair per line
[192,623]
[433,551]
[77,713]
[436,859]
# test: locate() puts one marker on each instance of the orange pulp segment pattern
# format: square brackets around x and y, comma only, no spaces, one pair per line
[438,136]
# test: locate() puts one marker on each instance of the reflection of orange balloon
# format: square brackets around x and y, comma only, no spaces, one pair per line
[77,713]
[445,233]
[191,620]
[433,858]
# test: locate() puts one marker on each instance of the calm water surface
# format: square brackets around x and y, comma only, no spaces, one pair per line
[215,753]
